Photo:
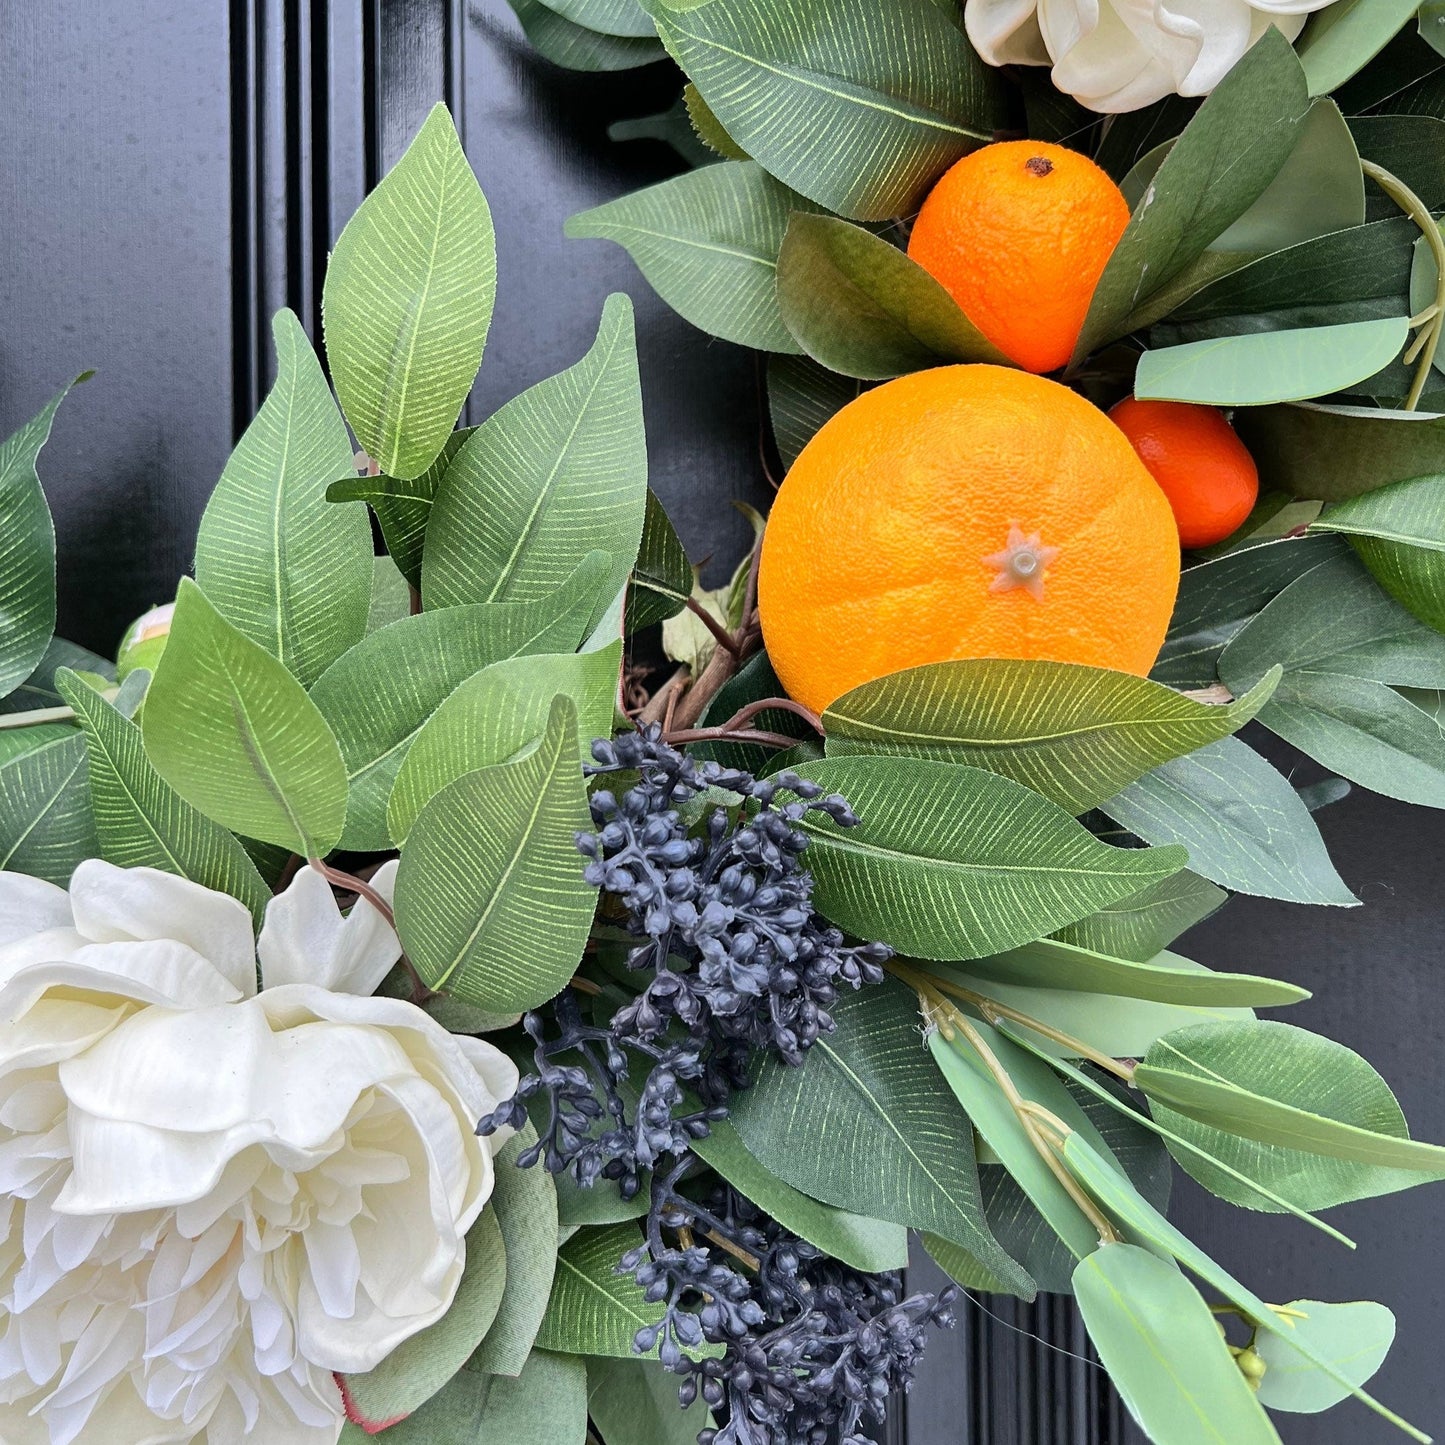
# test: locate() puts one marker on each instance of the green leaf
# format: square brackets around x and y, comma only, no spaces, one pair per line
[1244,826]
[953,862]
[754,682]
[707,127]
[872,1245]
[1353,1337]
[390,596]
[39,689]
[495,714]
[577,48]
[607,17]
[490,900]
[140,821]
[1343,38]
[662,578]
[858,104]
[1138,926]
[424,1362]
[1228,154]
[408,300]
[525,1204]
[707,242]
[1074,734]
[802,395]
[289,571]
[1164,1353]
[378,695]
[27,550]
[1270,366]
[861,307]
[871,1126]
[635,1403]
[557,473]
[236,736]
[46,826]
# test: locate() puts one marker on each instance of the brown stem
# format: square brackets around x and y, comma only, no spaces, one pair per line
[775,704]
[731,735]
[657,704]
[723,636]
[350,883]
[720,668]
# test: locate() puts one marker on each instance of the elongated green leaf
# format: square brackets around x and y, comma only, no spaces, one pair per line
[46,825]
[1164,1352]
[1244,826]
[1270,366]
[390,596]
[556,474]
[27,550]
[490,900]
[1353,1337]
[954,862]
[408,300]
[707,128]
[802,395]
[496,713]
[1228,154]
[871,1126]
[140,820]
[576,47]
[1342,39]
[861,307]
[1139,926]
[291,572]
[1075,734]
[634,1402]
[39,690]
[662,580]
[378,695]
[708,243]
[607,17]
[858,104]
[236,736]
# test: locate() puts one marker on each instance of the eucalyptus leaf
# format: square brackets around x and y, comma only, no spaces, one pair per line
[234,733]
[274,559]
[576,47]
[47,827]
[708,244]
[802,395]
[1138,926]
[1075,734]
[662,580]
[634,1402]
[408,300]
[1354,1337]
[1343,38]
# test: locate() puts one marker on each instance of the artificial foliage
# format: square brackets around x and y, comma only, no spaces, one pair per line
[784,991]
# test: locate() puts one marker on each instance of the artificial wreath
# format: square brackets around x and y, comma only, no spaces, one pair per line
[426,1011]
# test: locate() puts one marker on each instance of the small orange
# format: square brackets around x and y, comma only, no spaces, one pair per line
[1019,233]
[1193,453]
[968,511]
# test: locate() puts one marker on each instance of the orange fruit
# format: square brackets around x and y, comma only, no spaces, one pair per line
[1201,465]
[1019,233]
[969,511]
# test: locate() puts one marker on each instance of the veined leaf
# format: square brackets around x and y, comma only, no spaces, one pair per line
[408,300]
[557,473]
[236,736]
[1342,39]
[390,596]
[1139,926]
[1353,1337]
[955,862]
[1075,734]
[490,900]
[802,395]
[39,690]
[634,1402]
[291,572]
[140,820]
[607,17]
[46,825]
[707,242]
[662,579]
[858,104]
[575,47]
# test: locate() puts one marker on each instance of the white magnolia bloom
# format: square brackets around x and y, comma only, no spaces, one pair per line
[211,1198]
[1116,55]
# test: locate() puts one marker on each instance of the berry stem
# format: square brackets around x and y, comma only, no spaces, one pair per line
[720,633]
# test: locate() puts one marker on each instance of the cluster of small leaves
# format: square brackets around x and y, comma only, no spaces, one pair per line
[738,961]
[811,1348]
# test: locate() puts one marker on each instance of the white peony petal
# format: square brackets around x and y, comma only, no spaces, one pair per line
[30,905]
[1006,32]
[1224,28]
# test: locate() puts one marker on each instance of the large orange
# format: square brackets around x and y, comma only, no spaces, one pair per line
[1019,234]
[905,531]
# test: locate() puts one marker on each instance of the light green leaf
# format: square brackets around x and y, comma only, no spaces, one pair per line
[662,578]
[707,242]
[424,1362]
[378,695]
[490,900]
[559,472]
[861,307]
[46,826]
[607,17]
[408,300]
[1139,926]
[1244,826]
[634,1402]
[1353,1337]
[954,862]
[1343,38]
[277,562]
[236,736]
[1075,734]
[1164,1353]
[1228,154]
[870,1126]
[575,47]
[390,596]
[27,550]
[801,396]
[858,104]
[140,821]
[495,714]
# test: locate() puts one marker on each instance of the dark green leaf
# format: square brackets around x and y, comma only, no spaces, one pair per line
[801,396]
[575,47]
[46,825]
[39,690]
[607,17]
[662,579]
[1138,926]
[634,1402]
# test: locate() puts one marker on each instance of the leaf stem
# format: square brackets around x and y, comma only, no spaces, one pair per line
[727,734]
[776,704]
[352,884]
[723,637]
[35,717]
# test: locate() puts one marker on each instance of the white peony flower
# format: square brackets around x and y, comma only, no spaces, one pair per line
[211,1198]
[1116,55]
